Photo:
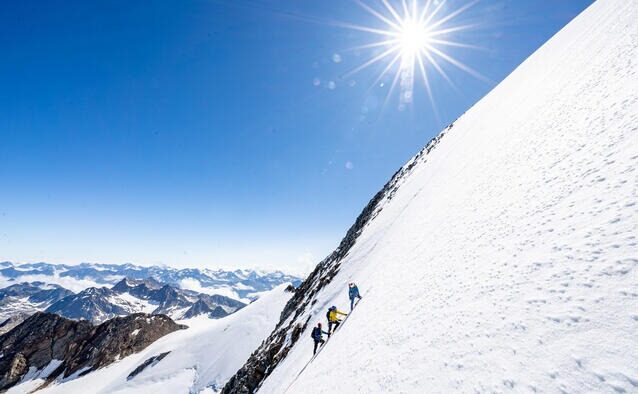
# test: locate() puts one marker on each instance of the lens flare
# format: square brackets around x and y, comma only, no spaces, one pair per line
[412,42]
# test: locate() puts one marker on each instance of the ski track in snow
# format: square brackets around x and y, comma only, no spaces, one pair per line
[509,261]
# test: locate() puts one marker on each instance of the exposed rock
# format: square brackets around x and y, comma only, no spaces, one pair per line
[79,346]
[149,362]
[8,324]
[92,304]
[21,300]
[36,292]
[218,313]
[138,287]
[17,368]
[215,306]
[100,304]
[198,308]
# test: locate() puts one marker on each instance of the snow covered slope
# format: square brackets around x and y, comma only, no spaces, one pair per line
[201,358]
[507,258]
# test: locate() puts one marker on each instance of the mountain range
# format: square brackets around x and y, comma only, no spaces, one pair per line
[241,285]
[128,296]
[102,291]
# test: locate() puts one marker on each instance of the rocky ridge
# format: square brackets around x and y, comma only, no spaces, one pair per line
[48,347]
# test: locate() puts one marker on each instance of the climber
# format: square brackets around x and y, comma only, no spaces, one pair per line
[333,318]
[317,335]
[353,292]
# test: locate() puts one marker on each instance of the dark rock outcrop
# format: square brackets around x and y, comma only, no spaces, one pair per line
[215,306]
[148,363]
[36,292]
[21,300]
[198,308]
[218,313]
[141,288]
[75,347]
[100,304]
[292,321]
[92,304]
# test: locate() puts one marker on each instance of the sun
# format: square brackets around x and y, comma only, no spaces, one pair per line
[413,39]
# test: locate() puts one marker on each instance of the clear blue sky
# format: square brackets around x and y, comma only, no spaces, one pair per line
[216,133]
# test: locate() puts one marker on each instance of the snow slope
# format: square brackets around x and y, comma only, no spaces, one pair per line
[202,357]
[507,260]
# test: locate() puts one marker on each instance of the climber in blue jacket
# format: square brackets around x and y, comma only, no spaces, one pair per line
[353,292]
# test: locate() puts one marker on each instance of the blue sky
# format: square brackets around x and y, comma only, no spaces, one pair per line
[217,133]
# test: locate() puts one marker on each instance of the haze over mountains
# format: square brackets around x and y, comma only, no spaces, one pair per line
[238,284]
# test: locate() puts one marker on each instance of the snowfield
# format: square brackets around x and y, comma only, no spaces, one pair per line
[507,261]
[201,358]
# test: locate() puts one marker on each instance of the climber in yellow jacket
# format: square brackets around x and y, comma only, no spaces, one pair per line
[333,318]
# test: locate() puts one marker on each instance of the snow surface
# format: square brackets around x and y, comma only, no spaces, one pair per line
[508,260]
[205,355]
[12,306]
[133,304]
[226,291]
[34,378]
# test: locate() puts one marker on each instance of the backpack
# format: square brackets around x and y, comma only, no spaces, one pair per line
[314,333]
[328,315]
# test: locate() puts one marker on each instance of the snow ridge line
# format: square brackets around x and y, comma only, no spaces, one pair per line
[292,322]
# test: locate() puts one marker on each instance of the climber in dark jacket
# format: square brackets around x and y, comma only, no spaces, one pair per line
[317,335]
[353,292]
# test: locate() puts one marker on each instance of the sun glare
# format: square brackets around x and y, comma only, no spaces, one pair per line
[414,36]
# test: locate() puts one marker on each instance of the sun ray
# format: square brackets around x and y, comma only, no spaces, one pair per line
[387,97]
[373,45]
[453,29]
[414,39]
[384,72]
[415,9]
[378,15]
[433,14]
[439,69]
[460,65]
[428,89]
[424,12]
[394,13]
[454,44]
[453,14]
[365,29]
[370,62]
